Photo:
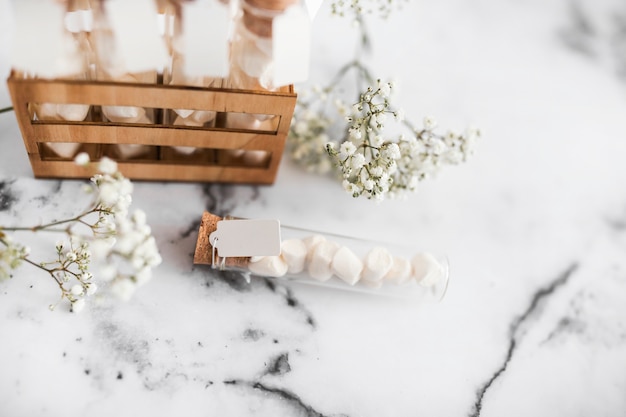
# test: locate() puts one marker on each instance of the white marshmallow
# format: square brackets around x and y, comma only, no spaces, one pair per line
[426,269]
[196,118]
[62,149]
[181,121]
[377,263]
[269,266]
[294,253]
[256,158]
[185,150]
[73,112]
[311,241]
[400,272]
[242,121]
[347,266]
[131,150]
[124,114]
[46,111]
[321,258]
[184,113]
[203,116]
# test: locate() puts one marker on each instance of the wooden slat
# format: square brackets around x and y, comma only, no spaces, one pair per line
[98,135]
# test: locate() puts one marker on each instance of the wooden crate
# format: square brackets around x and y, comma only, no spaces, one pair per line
[97,136]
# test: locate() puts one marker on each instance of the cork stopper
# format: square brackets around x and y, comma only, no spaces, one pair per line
[204,250]
[278,5]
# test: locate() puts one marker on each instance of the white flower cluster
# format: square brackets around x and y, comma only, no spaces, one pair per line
[361,7]
[307,138]
[122,243]
[376,167]
[11,255]
[125,239]
[72,264]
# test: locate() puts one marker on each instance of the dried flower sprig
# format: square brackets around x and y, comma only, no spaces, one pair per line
[371,163]
[308,134]
[359,8]
[375,166]
[122,244]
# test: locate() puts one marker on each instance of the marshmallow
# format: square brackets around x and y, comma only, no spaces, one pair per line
[181,121]
[124,114]
[185,150]
[184,113]
[62,149]
[47,111]
[377,263]
[256,158]
[347,266]
[203,116]
[426,269]
[242,121]
[69,112]
[132,150]
[269,266]
[196,118]
[73,112]
[311,241]
[321,258]
[400,271]
[294,253]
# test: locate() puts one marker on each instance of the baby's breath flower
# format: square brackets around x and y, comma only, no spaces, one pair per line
[375,166]
[77,289]
[429,123]
[122,243]
[78,305]
[82,159]
[123,288]
[357,161]
[346,149]
[107,166]
[91,288]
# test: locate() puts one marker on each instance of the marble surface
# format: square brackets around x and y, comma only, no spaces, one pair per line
[534,322]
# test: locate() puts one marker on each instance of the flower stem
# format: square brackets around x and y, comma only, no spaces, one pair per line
[6,110]
[49,271]
[48,226]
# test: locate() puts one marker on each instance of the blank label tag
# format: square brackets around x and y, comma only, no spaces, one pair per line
[137,38]
[240,238]
[205,38]
[39,42]
[291,34]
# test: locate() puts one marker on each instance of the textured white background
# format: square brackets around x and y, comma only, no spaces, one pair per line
[534,322]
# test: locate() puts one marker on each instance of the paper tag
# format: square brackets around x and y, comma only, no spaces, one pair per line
[79,21]
[313,6]
[291,32]
[137,39]
[240,238]
[206,27]
[39,37]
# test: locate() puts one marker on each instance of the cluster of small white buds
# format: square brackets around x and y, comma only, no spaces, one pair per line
[72,266]
[309,132]
[11,255]
[377,167]
[369,162]
[128,251]
[123,244]
[358,8]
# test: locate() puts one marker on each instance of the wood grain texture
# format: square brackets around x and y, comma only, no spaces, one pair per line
[159,165]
